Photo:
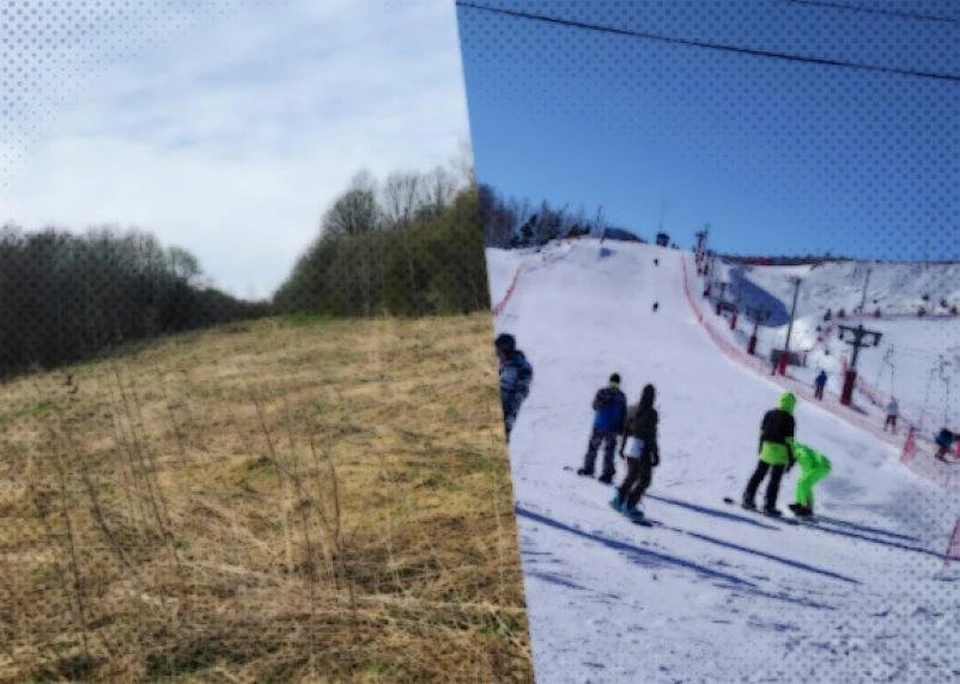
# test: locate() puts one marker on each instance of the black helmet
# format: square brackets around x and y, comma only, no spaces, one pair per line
[506,343]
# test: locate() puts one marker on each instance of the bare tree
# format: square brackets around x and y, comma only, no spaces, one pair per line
[402,197]
[356,212]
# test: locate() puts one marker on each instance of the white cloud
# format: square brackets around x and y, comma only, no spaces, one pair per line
[231,140]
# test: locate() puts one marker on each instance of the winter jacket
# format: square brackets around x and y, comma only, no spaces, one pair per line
[945,438]
[610,407]
[892,408]
[516,375]
[777,431]
[821,379]
[809,459]
[641,423]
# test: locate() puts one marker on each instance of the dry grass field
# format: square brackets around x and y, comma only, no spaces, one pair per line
[279,501]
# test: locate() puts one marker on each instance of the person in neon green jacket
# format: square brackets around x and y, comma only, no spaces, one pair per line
[814,466]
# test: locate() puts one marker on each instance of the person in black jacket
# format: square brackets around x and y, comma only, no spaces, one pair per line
[641,449]
[776,454]
[516,376]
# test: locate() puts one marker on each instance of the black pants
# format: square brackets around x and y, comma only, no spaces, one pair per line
[634,486]
[818,392]
[597,438]
[773,486]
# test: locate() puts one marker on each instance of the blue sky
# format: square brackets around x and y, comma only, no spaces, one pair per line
[778,157]
[226,127]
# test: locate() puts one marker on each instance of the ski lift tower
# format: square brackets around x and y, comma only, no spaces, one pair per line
[858,338]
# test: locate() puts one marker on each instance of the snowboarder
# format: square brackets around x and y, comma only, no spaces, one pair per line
[819,384]
[944,440]
[776,454]
[641,448]
[814,466]
[609,409]
[893,411]
[516,375]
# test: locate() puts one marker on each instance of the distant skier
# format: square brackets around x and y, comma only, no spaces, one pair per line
[641,448]
[656,262]
[516,375]
[656,305]
[945,439]
[776,454]
[819,384]
[814,466]
[893,411]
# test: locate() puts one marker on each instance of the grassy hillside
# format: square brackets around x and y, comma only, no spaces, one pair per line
[279,501]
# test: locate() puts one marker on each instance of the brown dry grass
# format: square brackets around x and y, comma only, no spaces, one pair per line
[278,501]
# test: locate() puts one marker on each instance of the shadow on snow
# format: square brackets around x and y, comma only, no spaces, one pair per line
[647,557]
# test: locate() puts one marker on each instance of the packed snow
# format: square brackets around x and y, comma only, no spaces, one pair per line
[711,593]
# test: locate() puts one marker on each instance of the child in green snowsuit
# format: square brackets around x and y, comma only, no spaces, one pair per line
[814,466]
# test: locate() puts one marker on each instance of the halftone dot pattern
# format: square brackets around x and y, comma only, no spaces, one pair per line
[502,51]
[50,48]
[396,557]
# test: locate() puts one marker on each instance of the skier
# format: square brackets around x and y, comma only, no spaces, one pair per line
[893,411]
[819,384]
[776,454]
[814,466]
[944,440]
[609,409]
[641,448]
[516,375]
[656,305]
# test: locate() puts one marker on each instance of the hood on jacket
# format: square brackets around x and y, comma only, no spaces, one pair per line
[788,401]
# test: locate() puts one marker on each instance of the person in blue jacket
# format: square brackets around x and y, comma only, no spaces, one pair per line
[819,384]
[516,376]
[609,410]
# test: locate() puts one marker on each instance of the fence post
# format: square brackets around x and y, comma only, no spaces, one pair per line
[953,549]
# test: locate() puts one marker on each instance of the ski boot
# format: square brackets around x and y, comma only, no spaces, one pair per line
[748,504]
[772,512]
[617,502]
[585,473]
[606,478]
[635,514]
[801,511]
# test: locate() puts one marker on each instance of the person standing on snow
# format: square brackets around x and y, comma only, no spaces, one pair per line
[814,466]
[641,448]
[945,439]
[609,410]
[776,454]
[819,384]
[893,411]
[516,375]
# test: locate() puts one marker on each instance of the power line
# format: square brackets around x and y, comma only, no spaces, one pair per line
[711,46]
[872,10]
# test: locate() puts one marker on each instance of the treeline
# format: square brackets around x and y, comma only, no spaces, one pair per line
[410,246]
[66,297]
[509,223]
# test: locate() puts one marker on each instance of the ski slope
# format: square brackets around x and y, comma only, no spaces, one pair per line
[714,593]
[917,360]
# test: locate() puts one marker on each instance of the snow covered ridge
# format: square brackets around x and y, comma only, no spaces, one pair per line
[863,596]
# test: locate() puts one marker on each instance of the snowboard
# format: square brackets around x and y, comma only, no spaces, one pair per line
[795,520]
[642,522]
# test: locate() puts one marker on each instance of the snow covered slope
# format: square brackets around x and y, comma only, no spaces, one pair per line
[918,358]
[713,594]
